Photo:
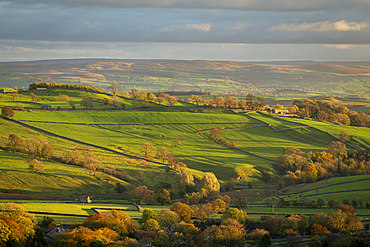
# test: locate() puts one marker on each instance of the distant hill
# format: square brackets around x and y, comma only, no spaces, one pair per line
[278,78]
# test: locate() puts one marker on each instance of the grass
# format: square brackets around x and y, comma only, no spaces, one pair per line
[50,97]
[196,151]
[314,188]
[131,117]
[269,143]
[360,136]
[131,173]
[201,155]
[275,122]
[290,210]
[57,179]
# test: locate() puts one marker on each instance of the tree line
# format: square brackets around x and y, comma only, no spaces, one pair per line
[51,85]
[296,166]
[176,227]
[329,112]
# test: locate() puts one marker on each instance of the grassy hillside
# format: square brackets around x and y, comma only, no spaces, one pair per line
[51,97]
[131,173]
[360,136]
[196,151]
[56,179]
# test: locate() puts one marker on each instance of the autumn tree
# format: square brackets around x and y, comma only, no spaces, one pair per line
[337,148]
[7,112]
[167,217]
[317,229]
[229,233]
[172,100]
[106,101]
[34,97]
[35,165]
[39,147]
[92,164]
[162,153]
[143,96]
[147,149]
[196,99]
[210,183]
[183,210]
[234,213]
[82,236]
[163,196]
[176,142]
[4,233]
[150,225]
[87,103]
[134,93]
[344,136]
[63,97]
[113,85]
[138,193]
[146,215]
[20,223]
[14,143]
[151,97]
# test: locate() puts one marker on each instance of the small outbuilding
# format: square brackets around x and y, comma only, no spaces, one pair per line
[85,199]
[46,107]
[277,111]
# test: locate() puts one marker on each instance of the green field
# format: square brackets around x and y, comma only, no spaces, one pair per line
[360,136]
[56,180]
[196,151]
[342,191]
[50,97]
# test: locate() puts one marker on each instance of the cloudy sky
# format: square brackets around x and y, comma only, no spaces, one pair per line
[245,30]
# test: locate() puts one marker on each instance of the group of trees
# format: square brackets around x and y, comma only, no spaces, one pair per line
[215,135]
[34,86]
[87,160]
[16,225]
[231,102]
[151,97]
[7,112]
[142,194]
[295,166]
[193,191]
[40,148]
[326,111]
[36,147]
[162,153]
[180,226]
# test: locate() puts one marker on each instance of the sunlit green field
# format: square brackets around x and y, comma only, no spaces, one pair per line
[56,179]
[360,136]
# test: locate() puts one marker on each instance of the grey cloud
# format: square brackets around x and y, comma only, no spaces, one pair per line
[268,5]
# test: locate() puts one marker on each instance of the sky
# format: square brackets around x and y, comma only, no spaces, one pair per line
[241,30]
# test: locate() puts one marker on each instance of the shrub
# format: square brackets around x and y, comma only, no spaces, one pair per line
[7,112]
